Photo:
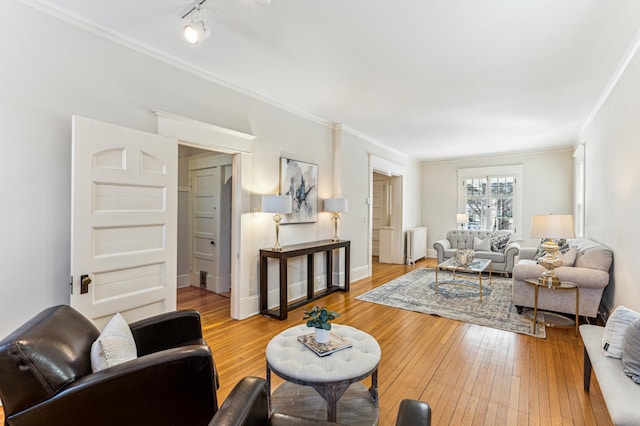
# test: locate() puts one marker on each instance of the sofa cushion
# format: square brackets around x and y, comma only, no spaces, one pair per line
[569,257]
[592,255]
[616,328]
[481,244]
[631,351]
[499,241]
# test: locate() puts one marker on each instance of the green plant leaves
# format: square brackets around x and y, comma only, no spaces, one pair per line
[319,317]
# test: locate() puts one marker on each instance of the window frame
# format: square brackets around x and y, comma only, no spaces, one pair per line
[579,190]
[516,171]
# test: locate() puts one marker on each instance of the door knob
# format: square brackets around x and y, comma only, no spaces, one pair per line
[84,284]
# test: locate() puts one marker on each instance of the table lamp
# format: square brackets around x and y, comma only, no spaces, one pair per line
[336,205]
[551,226]
[462,219]
[277,204]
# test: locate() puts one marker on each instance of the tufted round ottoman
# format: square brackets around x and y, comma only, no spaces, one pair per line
[330,375]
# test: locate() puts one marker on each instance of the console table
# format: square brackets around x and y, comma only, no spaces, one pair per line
[308,249]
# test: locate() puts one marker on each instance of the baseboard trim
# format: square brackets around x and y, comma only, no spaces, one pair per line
[183,281]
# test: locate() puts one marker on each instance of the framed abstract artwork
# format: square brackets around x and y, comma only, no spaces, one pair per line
[299,180]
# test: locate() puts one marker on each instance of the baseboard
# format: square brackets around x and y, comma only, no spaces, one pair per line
[359,273]
[183,281]
[250,306]
[432,253]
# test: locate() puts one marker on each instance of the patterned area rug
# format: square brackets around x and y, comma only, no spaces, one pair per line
[415,291]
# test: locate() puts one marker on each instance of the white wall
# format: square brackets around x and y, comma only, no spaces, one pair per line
[612,185]
[357,181]
[57,70]
[547,186]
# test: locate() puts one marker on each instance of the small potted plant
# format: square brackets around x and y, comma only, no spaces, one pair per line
[319,319]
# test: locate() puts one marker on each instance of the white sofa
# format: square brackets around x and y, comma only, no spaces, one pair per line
[501,262]
[590,272]
[620,393]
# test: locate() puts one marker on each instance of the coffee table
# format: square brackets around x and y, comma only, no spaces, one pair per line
[333,377]
[478,266]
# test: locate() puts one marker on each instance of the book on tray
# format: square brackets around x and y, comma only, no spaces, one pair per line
[335,344]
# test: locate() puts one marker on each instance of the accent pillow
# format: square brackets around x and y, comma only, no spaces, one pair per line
[481,245]
[615,330]
[114,346]
[631,352]
[499,241]
[569,258]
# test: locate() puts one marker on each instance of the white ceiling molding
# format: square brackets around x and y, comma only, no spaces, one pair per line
[369,139]
[612,83]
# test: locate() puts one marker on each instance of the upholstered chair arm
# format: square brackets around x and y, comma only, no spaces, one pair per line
[168,330]
[247,404]
[413,413]
[528,252]
[173,387]
[441,246]
[510,254]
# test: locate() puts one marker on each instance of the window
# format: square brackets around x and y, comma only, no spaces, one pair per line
[491,196]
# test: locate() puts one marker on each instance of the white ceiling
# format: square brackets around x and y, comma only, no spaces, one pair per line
[434,79]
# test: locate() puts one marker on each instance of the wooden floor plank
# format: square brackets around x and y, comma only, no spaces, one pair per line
[468,373]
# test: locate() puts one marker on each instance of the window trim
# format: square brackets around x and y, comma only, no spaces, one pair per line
[515,170]
[579,190]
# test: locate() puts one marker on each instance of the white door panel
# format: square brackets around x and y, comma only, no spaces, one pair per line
[124,218]
[205,186]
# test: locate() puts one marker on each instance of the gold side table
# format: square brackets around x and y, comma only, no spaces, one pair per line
[551,319]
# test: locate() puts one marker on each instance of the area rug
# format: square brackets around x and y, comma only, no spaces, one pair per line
[415,291]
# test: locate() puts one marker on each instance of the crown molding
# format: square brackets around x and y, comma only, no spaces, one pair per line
[143,48]
[631,52]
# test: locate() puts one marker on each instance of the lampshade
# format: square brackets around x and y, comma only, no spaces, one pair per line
[336,205]
[552,226]
[276,204]
[462,218]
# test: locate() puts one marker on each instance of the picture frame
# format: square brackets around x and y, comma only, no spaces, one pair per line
[299,180]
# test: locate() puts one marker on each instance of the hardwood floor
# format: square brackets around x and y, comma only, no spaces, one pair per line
[471,375]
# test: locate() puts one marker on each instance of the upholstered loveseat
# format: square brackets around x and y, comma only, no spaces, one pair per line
[501,261]
[589,271]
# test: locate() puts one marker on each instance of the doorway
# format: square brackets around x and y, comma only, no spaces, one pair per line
[205,184]
[380,214]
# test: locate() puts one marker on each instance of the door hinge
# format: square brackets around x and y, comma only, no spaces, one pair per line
[71,285]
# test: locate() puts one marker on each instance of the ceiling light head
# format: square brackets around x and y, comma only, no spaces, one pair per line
[197,29]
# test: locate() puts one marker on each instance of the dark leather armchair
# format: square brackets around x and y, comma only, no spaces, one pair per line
[247,405]
[46,377]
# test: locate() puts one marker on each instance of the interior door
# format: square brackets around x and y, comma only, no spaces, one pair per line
[205,186]
[124,221]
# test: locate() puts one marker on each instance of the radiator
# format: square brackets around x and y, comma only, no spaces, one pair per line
[416,244]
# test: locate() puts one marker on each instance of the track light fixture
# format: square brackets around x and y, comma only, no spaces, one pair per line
[197,29]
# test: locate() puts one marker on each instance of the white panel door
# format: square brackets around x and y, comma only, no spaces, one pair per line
[124,221]
[205,187]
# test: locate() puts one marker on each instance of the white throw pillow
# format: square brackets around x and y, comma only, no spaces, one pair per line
[115,345]
[481,245]
[615,330]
